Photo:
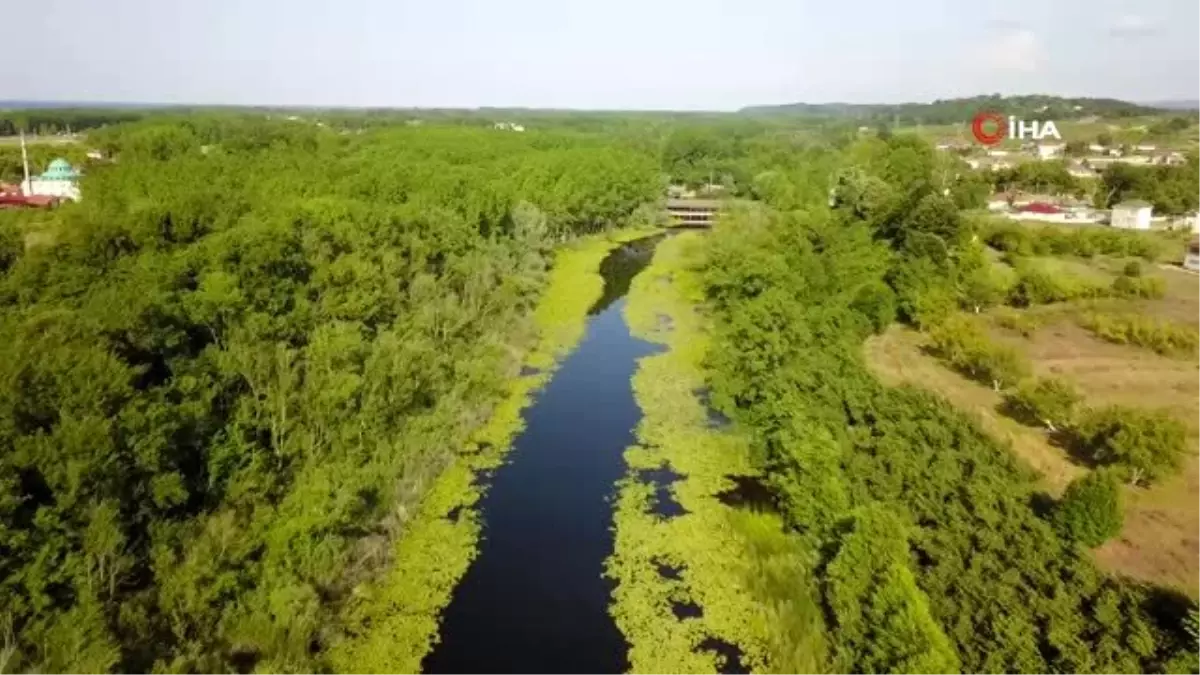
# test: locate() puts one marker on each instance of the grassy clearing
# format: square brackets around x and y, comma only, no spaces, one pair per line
[396,616]
[735,565]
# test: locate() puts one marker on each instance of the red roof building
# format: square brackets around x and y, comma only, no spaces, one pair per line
[1040,207]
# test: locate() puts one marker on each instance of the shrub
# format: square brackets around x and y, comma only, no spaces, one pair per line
[957,337]
[1050,401]
[963,344]
[982,288]
[1011,239]
[1017,320]
[1163,337]
[1133,268]
[1036,286]
[1145,444]
[1001,364]
[1090,510]
[876,302]
[1139,287]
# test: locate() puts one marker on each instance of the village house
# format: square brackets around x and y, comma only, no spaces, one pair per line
[1132,215]
[1191,256]
[1049,150]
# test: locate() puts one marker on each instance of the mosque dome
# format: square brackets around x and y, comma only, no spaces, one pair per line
[60,169]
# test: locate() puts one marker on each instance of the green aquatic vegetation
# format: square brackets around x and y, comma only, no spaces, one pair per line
[396,618]
[733,564]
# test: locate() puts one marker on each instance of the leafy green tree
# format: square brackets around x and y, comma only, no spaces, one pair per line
[1146,444]
[876,302]
[883,622]
[1051,401]
[1090,511]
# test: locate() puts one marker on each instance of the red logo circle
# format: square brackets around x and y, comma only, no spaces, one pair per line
[982,134]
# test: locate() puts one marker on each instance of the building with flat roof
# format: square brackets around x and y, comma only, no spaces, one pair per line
[1132,215]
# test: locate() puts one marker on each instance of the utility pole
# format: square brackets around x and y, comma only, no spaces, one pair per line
[27,186]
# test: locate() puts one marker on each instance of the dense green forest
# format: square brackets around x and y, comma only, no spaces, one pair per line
[228,369]
[234,369]
[58,121]
[932,555]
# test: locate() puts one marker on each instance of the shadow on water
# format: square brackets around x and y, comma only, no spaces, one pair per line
[730,656]
[620,267]
[665,505]
[716,418]
[534,600]
[748,492]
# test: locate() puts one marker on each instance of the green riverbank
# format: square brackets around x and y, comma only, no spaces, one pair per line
[736,565]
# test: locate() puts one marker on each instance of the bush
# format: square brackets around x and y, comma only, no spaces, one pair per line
[1084,242]
[1139,287]
[1035,287]
[1145,444]
[1017,320]
[1090,510]
[962,343]
[1050,401]
[1133,268]
[1163,337]
[982,288]
[876,302]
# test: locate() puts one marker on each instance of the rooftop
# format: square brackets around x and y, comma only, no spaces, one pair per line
[695,203]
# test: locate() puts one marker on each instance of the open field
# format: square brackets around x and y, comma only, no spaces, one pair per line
[1159,540]
[40,140]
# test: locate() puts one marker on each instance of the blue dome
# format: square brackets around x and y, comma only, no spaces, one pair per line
[60,169]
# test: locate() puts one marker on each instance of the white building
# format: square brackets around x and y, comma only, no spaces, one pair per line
[60,180]
[1049,150]
[1191,257]
[998,153]
[1193,222]
[1146,148]
[1132,215]
[1096,147]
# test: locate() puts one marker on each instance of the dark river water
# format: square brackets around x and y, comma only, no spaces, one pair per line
[534,601]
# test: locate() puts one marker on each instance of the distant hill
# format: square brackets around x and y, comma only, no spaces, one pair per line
[1175,105]
[960,109]
[80,105]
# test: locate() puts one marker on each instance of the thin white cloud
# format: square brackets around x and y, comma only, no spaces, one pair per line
[1132,25]
[1014,51]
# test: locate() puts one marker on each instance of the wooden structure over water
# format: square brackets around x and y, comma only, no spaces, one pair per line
[693,212]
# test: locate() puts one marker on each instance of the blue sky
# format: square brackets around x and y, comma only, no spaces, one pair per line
[644,54]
